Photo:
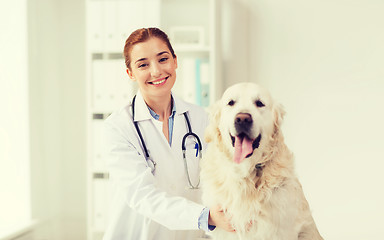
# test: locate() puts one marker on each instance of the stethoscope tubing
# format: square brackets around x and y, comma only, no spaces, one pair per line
[137,128]
[189,133]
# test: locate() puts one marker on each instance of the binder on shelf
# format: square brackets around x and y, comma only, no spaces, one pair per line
[128,20]
[151,15]
[196,81]
[101,204]
[95,22]
[202,83]
[112,87]
[103,94]
[187,36]
[99,152]
[111,22]
[189,79]
[99,95]
[124,87]
[205,84]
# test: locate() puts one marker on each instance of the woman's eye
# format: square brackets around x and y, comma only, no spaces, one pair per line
[163,59]
[231,103]
[259,103]
[142,65]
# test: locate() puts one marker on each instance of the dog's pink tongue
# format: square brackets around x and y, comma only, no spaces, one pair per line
[243,147]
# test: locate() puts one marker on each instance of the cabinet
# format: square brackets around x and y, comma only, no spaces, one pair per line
[191,27]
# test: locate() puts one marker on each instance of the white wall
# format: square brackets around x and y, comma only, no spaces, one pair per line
[57,117]
[15,210]
[234,36]
[323,60]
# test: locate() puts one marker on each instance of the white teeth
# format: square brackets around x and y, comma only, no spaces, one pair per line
[159,82]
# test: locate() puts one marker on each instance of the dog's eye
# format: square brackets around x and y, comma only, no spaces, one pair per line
[231,103]
[259,103]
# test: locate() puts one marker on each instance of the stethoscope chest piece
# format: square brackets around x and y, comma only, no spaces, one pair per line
[151,164]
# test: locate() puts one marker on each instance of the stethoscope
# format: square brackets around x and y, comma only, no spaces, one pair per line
[152,163]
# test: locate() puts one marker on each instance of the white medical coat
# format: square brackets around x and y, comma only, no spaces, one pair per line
[157,206]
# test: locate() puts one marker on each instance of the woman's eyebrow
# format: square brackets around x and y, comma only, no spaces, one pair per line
[141,59]
[163,52]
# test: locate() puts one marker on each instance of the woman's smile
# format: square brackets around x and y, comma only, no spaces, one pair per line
[159,82]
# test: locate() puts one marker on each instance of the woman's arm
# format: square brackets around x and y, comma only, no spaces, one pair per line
[134,181]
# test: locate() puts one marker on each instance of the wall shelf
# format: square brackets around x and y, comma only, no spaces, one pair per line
[108,87]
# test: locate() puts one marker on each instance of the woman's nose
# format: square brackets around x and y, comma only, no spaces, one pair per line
[155,70]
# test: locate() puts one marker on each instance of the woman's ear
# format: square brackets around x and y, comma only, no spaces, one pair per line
[129,72]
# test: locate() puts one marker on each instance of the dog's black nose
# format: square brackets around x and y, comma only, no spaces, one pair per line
[243,121]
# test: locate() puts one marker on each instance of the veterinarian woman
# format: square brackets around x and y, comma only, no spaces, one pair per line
[155,197]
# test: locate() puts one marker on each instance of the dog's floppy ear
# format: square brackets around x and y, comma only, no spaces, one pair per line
[212,131]
[278,114]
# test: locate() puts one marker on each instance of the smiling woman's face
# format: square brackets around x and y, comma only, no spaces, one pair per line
[153,68]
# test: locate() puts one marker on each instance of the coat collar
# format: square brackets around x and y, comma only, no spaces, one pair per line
[142,112]
[141,109]
[181,106]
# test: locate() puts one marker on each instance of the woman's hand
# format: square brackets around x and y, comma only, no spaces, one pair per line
[218,218]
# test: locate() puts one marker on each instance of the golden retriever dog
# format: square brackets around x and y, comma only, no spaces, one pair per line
[249,171]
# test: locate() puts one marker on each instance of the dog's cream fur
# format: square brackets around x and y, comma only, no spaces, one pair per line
[263,204]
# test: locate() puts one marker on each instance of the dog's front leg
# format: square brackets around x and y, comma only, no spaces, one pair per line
[309,232]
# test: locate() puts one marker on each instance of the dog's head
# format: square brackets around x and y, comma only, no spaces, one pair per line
[244,120]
